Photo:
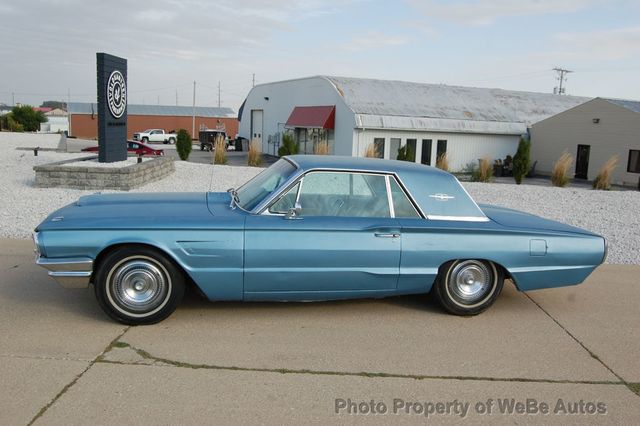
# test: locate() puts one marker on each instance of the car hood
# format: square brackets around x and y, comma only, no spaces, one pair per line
[141,211]
[521,220]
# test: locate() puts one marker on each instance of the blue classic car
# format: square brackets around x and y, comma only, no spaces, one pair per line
[309,228]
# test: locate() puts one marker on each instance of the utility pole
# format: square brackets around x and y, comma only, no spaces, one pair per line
[218,93]
[69,112]
[562,77]
[13,98]
[253,82]
[193,121]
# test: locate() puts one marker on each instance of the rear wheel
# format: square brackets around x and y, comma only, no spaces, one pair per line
[468,287]
[138,285]
[172,140]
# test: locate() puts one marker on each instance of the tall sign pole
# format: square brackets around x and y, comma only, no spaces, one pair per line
[112,108]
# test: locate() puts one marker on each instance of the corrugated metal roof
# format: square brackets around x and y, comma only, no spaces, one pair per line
[386,99]
[166,110]
[630,105]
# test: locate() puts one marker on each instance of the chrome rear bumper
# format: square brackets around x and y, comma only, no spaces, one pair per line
[69,272]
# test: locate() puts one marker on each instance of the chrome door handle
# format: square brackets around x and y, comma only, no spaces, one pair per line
[386,235]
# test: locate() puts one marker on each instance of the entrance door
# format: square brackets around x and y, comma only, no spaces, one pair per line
[582,161]
[256,127]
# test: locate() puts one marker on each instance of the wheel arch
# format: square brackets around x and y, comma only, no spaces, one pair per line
[105,251]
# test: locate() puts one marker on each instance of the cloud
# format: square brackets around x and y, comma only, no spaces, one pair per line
[373,40]
[621,43]
[486,12]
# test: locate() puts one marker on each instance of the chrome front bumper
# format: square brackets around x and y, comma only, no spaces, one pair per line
[69,272]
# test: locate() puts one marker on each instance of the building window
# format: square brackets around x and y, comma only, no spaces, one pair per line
[633,166]
[394,146]
[442,148]
[426,151]
[378,147]
[411,149]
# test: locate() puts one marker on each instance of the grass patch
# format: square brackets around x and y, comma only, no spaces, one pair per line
[220,151]
[484,172]
[255,156]
[603,180]
[442,162]
[321,148]
[560,169]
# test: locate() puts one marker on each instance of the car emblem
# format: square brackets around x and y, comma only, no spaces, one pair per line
[442,197]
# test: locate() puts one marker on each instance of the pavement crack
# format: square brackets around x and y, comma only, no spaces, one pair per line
[159,361]
[75,379]
[632,386]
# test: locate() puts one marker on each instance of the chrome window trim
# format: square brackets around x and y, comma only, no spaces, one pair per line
[266,203]
[299,175]
[392,211]
[407,194]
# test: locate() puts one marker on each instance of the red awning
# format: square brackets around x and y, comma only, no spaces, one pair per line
[313,117]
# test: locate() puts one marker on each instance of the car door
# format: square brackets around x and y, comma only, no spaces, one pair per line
[342,242]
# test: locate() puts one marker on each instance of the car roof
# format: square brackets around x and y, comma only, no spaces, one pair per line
[308,162]
[438,193]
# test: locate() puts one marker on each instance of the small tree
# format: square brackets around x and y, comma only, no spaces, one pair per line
[405,153]
[183,144]
[27,117]
[289,145]
[522,160]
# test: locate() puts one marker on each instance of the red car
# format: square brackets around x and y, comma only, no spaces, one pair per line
[137,148]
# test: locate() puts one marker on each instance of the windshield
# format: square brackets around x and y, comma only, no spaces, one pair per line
[264,184]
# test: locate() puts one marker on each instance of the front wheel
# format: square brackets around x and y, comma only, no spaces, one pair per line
[172,140]
[145,140]
[138,285]
[468,287]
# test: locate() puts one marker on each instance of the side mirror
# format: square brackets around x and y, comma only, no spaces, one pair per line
[295,212]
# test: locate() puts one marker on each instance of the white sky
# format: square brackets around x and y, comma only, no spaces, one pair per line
[48,47]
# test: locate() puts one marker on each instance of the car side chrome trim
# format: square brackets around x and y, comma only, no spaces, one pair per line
[74,272]
[459,218]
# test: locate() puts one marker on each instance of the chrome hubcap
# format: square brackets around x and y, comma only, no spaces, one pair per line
[139,285]
[470,281]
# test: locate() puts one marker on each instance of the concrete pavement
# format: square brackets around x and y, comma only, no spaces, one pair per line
[573,349]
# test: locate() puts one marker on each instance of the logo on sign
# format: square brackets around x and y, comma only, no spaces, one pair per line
[117,94]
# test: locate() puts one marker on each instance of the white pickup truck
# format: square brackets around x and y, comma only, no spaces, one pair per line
[155,135]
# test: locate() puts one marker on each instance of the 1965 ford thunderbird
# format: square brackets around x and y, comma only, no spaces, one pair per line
[309,228]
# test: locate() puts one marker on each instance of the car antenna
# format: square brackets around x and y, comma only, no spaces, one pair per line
[211,180]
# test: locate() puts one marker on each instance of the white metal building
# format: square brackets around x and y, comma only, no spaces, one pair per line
[592,133]
[352,113]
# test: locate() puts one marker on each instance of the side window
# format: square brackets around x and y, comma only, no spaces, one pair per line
[344,195]
[402,207]
[286,202]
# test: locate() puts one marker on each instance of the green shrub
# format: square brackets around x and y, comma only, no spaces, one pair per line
[26,117]
[289,146]
[522,160]
[183,144]
[405,153]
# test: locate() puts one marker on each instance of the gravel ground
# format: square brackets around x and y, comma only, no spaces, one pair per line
[613,214]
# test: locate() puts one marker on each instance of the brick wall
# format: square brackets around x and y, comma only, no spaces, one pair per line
[84,126]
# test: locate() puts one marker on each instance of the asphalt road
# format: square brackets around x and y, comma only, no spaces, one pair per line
[63,362]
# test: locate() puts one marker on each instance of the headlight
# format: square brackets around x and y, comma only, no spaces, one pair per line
[36,243]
